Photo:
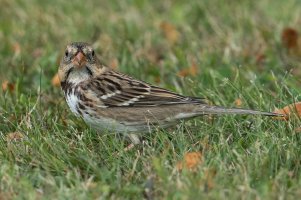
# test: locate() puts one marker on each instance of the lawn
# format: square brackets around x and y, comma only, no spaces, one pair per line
[231,52]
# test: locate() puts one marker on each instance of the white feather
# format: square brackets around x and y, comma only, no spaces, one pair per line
[110,95]
[131,101]
[78,76]
[101,106]
[107,124]
[72,101]
[182,116]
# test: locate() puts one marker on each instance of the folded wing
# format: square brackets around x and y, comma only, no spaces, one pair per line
[119,90]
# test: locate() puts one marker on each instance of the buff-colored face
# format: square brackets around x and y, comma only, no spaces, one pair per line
[79,63]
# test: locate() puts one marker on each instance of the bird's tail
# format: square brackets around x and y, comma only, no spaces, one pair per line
[207,109]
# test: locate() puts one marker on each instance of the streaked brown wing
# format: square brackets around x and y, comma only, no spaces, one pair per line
[118,90]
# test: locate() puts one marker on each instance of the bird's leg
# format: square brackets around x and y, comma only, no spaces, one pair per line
[131,140]
[134,138]
[129,147]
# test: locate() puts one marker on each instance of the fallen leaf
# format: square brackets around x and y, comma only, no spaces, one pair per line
[209,176]
[37,52]
[155,54]
[298,130]
[294,108]
[190,71]
[16,48]
[291,41]
[6,85]
[191,161]
[157,79]
[114,64]
[289,38]
[7,195]
[170,32]
[14,136]
[56,80]
[260,59]
[238,102]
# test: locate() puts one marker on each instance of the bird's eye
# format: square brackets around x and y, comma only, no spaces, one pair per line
[92,53]
[66,53]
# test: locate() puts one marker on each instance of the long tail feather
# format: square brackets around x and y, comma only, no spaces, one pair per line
[206,109]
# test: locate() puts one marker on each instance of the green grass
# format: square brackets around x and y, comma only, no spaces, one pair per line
[246,157]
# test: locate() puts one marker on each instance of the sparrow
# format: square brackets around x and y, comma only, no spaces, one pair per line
[108,100]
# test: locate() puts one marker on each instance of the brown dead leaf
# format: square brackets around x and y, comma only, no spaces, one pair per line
[289,38]
[56,80]
[114,64]
[209,176]
[183,72]
[298,130]
[38,52]
[6,85]
[155,54]
[238,102]
[260,59]
[289,110]
[291,41]
[157,79]
[16,48]
[191,161]
[190,71]
[170,32]
[7,195]
[14,136]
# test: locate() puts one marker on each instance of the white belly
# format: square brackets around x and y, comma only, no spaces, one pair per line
[106,124]
[72,102]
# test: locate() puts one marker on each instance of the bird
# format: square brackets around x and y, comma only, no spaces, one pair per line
[108,100]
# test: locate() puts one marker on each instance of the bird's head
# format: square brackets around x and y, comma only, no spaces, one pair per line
[79,63]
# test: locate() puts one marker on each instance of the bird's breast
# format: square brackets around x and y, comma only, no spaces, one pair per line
[72,101]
